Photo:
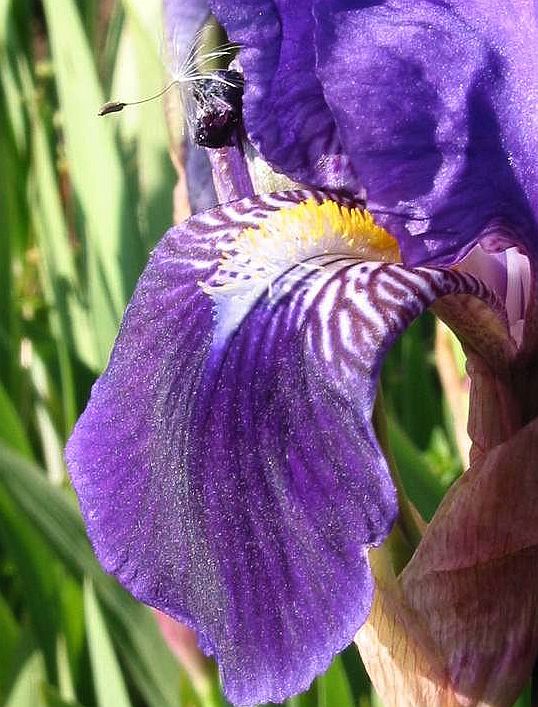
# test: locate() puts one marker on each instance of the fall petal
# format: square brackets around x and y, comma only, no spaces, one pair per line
[226,464]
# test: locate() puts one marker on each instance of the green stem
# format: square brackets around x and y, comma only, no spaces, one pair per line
[406,526]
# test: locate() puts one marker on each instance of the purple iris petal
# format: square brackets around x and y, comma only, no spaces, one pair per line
[183,19]
[430,104]
[431,101]
[509,274]
[285,113]
[234,480]
[199,178]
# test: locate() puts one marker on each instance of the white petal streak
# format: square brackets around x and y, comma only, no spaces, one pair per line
[348,312]
[358,313]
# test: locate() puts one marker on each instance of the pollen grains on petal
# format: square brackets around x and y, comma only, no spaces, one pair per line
[293,236]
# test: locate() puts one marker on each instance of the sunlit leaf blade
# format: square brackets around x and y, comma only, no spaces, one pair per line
[66,688]
[5,8]
[109,684]
[150,664]
[70,321]
[113,249]
[132,627]
[140,72]
[42,395]
[27,690]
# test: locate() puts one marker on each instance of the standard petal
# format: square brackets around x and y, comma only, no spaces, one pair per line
[432,103]
[229,475]
[183,19]
[285,113]
[199,177]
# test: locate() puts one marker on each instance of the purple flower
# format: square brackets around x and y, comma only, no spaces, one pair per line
[427,104]
[226,464]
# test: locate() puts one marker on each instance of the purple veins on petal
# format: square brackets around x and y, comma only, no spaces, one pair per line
[234,481]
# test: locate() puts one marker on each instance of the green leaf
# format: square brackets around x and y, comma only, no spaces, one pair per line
[12,430]
[410,382]
[38,574]
[375,699]
[113,249]
[65,680]
[5,9]
[53,698]
[140,72]
[305,699]
[419,479]
[69,318]
[12,93]
[13,227]
[333,687]
[27,690]
[109,684]
[77,669]
[525,699]
[132,626]
[9,632]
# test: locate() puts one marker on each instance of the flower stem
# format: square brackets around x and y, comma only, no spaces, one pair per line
[455,385]
[408,528]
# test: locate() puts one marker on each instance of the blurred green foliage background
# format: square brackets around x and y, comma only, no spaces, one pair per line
[82,201]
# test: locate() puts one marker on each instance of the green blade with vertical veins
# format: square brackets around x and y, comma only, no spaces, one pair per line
[108,213]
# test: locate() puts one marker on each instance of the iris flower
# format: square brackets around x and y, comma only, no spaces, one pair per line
[226,465]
